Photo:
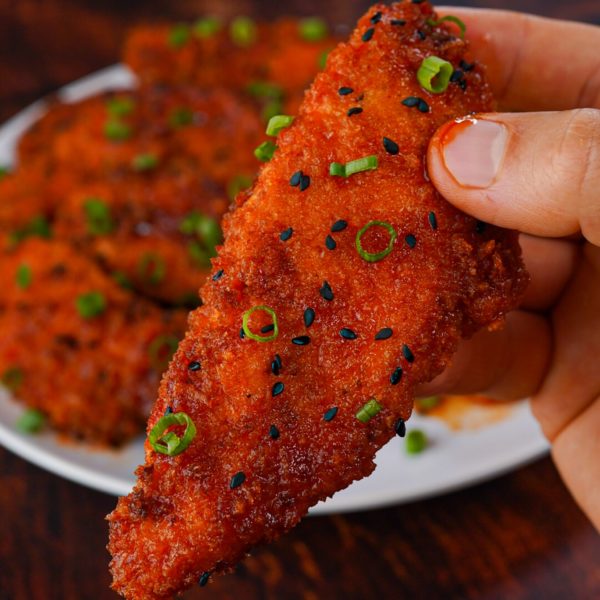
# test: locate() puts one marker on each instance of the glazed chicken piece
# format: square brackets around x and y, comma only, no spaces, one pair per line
[345,281]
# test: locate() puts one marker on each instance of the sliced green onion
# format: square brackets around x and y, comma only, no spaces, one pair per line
[237,184]
[427,403]
[271,109]
[199,255]
[277,123]
[376,256]
[253,336]
[98,217]
[206,27]
[451,19]
[144,162]
[122,280]
[116,130]
[366,163]
[312,29]
[31,421]
[152,268]
[434,74]
[161,351]
[120,107]
[12,378]
[4,171]
[368,411]
[168,442]
[322,60]
[205,228]
[416,441]
[179,35]
[90,305]
[265,151]
[243,31]
[37,227]
[23,276]
[180,117]
[265,89]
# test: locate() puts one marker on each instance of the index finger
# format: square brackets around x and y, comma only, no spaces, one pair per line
[535,63]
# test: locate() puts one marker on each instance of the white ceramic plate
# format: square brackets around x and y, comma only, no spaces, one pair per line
[452,460]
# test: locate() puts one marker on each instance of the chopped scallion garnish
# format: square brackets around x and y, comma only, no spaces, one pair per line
[31,421]
[206,27]
[120,107]
[144,162]
[37,227]
[168,442]
[368,411]
[451,19]
[416,441]
[12,378]
[265,151]
[90,304]
[98,217]
[4,171]
[116,130]
[161,351]
[375,256]
[427,403]
[253,336]
[237,184]
[243,31]
[179,35]
[312,29]
[322,60]
[366,163]
[434,74]
[277,123]
[180,117]
[265,89]
[23,276]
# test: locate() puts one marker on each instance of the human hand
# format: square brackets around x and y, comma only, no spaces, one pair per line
[539,173]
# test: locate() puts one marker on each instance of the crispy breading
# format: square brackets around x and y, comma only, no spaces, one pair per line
[189,514]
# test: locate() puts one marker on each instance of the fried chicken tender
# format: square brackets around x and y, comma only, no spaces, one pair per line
[286,423]
[104,360]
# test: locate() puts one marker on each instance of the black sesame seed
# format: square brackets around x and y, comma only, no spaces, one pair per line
[204,578]
[273,432]
[368,34]
[274,368]
[411,101]
[168,410]
[480,227]
[390,146]
[277,388]
[420,34]
[330,243]
[304,182]
[237,480]
[344,91]
[411,240]
[295,178]
[397,22]
[407,352]
[242,334]
[432,220]
[330,414]
[267,328]
[400,428]
[465,66]
[348,334]
[309,317]
[384,334]
[376,18]
[326,292]
[194,366]
[301,340]
[218,275]
[423,106]
[355,110]
[457,75]
[285,235]
[396,376]
[339,226]
[278,360]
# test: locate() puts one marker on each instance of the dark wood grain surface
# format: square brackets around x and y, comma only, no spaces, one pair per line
[520,536]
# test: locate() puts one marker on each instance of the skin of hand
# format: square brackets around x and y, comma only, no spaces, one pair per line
[538,171]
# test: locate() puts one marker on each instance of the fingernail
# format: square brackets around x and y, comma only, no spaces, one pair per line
[473,150]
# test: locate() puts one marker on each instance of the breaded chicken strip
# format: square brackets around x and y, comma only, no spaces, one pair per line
[370,278]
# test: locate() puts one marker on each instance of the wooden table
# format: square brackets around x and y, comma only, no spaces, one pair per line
[519,536]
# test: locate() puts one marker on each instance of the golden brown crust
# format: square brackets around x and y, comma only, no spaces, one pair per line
[183,518]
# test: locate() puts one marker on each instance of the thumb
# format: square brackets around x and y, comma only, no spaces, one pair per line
[538,173]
